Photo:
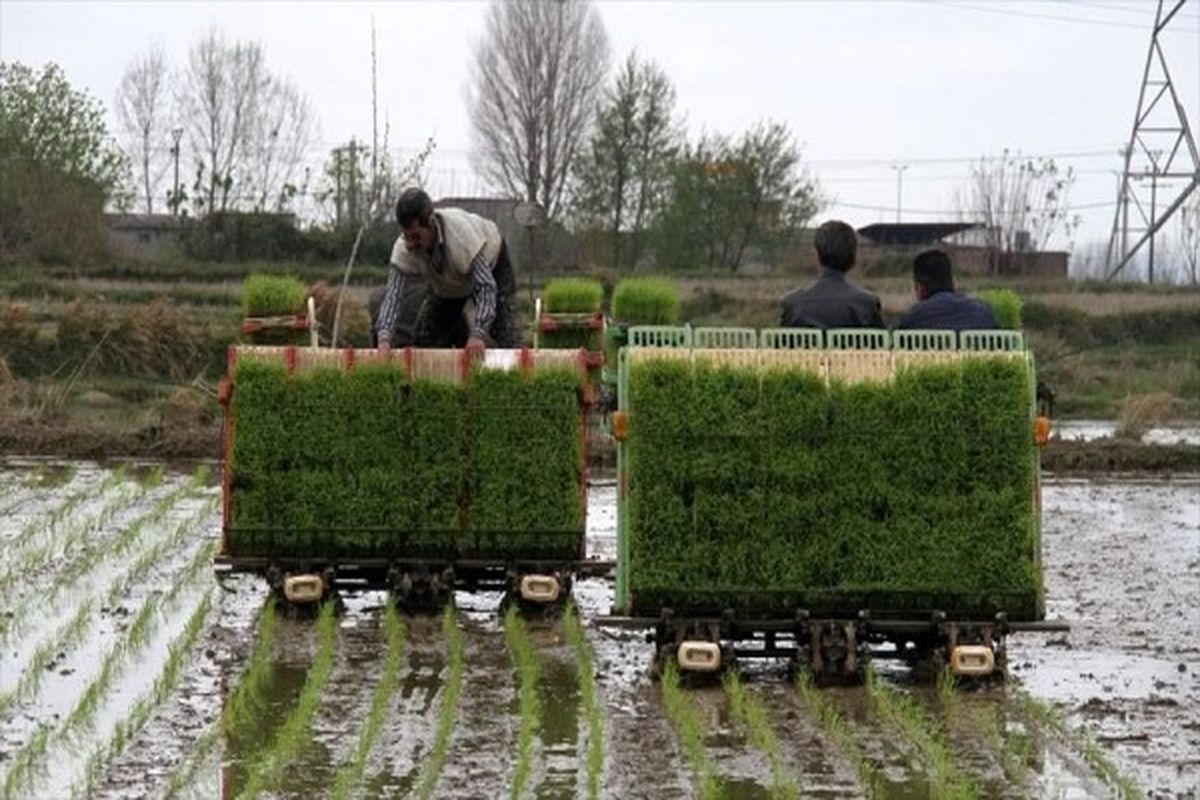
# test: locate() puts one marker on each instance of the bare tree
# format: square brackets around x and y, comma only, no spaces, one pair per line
[538,77]
[223,83]
[143,110]
[281,132]
[1022,202]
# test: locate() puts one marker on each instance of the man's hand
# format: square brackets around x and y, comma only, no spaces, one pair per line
[476,348]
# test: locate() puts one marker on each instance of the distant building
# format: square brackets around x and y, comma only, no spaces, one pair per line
[144,235]
[965,242]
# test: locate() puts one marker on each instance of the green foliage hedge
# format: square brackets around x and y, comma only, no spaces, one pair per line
[645,301]
[572,296]
[766,493]
[1005,305]
[367,463]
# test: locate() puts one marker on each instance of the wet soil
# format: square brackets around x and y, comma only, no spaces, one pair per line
[1122,564]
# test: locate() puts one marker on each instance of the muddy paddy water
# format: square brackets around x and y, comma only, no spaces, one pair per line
[127,671]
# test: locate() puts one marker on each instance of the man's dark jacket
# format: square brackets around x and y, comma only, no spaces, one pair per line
[948,311]
[831,302]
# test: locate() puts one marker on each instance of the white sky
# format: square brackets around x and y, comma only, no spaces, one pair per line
[862,85]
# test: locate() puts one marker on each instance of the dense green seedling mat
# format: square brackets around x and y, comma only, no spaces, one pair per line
[272,295]
[367,463]
[572,296]
[645,301]
[1006,307]
[769,491]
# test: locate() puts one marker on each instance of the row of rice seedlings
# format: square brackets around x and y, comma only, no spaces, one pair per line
[268,768]
[349,776]
[58,546]
[905,714]
[64,639]
[139,714]
[241,708]
[837,730]
[115,546]
[451,690]
[689,728]
[134,638]
[585,662]
[520,650]
[71,632]
[49,520]
[155,554]
[750,713]
[1016,750]
[1051,719]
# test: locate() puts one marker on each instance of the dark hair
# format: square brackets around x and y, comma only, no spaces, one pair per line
[837,245]
[413,205]
[932,271]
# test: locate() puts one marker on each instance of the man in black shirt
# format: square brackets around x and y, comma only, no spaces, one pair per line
[832,301]
[938,306]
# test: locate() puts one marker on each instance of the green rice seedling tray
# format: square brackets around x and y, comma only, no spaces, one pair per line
[898,482]
[792,338]
[344,454]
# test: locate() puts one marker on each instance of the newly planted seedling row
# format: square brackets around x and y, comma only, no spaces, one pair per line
[164,684]
[837,730]
[690,729]
[585,662]
[525,660]
[267,770]
[240,709]
[750,714]
[349,776]
[135,637]
[431,770]
[905,715]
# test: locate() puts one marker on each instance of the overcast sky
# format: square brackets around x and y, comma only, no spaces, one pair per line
[862,85]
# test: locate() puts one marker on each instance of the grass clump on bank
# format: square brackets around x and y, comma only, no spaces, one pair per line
[368,463]
[1005,305]
[272,296]
[645,301]
[765,492]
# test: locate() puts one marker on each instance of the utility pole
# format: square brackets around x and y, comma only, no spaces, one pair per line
[176,134]
[899,187]
[337,177]
[1160,131]
[352,193]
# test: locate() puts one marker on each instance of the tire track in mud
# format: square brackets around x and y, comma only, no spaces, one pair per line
[482,750]
[394,765]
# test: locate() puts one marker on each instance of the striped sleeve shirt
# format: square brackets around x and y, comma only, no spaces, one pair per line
[483,285]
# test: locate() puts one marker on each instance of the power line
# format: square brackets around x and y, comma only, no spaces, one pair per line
[1056,17]
[930,211]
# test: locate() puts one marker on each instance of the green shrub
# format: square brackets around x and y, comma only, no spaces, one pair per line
[770,492]
[272,295]
[572,296]
[646,301]
[1005,305]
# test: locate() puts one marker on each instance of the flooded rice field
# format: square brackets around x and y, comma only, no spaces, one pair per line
[128,671]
